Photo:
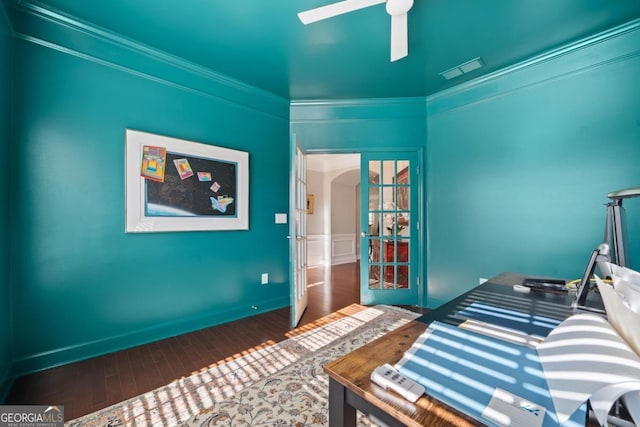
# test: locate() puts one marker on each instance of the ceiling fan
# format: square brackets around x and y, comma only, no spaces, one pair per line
[396,8]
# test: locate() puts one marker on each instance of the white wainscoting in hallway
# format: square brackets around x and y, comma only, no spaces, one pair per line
[325,249]
[343,248]
[317,249]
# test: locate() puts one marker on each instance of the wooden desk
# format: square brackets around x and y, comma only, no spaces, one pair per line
[350,388]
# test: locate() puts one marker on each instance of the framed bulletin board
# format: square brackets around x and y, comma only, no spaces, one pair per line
[178,185]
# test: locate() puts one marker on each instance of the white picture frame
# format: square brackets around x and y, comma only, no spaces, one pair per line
[143,216]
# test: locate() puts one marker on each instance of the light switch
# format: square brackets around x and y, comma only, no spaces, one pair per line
[281,218]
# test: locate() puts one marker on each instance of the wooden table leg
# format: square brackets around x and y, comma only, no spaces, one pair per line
[341,414]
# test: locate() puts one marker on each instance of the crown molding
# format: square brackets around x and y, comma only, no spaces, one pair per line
[615,44]
[357,109]
[40,24]
[358,102]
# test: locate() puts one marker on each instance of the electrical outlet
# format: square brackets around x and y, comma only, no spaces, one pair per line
[265,278]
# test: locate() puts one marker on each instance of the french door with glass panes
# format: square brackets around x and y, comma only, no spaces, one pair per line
[298,232]
[389,228]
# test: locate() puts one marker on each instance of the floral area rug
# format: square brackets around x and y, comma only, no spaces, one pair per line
[279,385]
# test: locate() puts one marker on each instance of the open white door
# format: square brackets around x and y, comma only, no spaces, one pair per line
[298,232]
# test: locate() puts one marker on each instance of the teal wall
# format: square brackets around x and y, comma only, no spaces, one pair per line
[83,286]
[519,165]
[5,291]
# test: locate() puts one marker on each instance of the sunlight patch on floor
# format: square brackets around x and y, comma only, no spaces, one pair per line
[188,398]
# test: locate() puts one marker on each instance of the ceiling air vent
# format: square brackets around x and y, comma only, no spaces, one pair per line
[463,68]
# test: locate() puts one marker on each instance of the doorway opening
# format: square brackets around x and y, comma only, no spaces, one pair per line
[333,233]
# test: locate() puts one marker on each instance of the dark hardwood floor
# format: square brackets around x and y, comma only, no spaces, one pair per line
[90,385]
[330,289]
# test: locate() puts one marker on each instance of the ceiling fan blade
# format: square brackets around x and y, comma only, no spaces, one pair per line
[335,9]
[399,37]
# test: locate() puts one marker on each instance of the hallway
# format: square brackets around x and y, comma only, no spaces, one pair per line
[331,288]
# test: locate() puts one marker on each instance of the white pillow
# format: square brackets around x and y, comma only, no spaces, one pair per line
[629,292]
[625,273]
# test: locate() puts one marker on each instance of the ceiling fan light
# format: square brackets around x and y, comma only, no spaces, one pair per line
[398,7]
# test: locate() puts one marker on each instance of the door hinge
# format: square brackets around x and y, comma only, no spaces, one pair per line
[418,281]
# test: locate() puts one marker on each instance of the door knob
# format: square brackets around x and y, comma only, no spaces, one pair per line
[363,234]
